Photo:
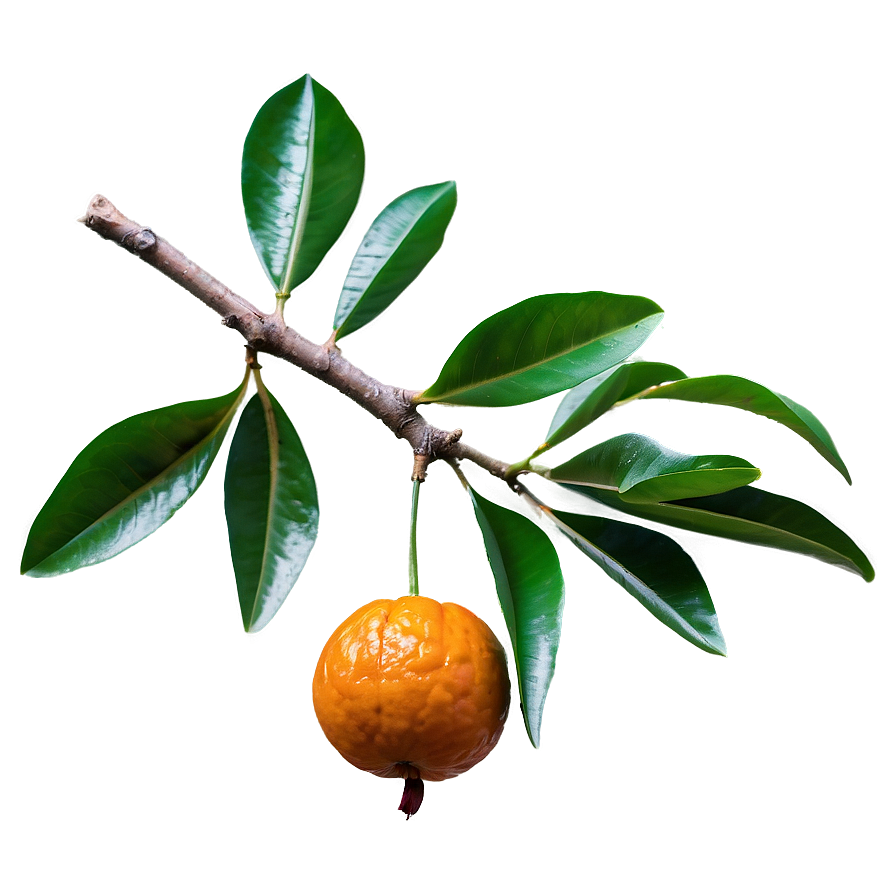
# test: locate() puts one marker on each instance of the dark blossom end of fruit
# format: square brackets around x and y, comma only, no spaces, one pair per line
[412,798]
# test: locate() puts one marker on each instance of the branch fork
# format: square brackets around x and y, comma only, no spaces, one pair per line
[269,333]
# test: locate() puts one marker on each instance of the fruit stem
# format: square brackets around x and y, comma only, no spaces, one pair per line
[413,577]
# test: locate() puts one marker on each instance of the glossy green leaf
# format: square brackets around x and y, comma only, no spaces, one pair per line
[400,243]
[736,392]
[530,590]
[642,470]
[654,570]
[127,482]
[270,500]
[756,517]
[594,397]
[303,163]
[541,346]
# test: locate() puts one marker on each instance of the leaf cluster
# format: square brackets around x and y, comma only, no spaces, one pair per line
[302,170]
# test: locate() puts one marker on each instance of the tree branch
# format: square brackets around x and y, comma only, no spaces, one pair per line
[268,333]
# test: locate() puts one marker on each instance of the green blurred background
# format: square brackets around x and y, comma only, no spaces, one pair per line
[734,161]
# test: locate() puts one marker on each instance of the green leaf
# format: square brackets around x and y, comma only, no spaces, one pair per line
[400,243]
[530,590]
[270,500]
[754,516]
[594,397]
[541,346]
[736,392]
[303,163]
[127,482]
[643,471]
[654,570]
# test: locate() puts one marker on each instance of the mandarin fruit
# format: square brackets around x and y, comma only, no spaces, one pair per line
[414,689]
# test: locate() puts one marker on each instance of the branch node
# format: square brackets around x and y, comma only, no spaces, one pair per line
[322,358]
[423,454]
[137,241]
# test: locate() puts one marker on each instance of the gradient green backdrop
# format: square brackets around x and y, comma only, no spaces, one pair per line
[732,160]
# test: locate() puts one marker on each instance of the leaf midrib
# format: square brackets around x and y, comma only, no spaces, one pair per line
[150,482]
[398,244]
[632,577]
[620,492]
[699,511]
[298,224]
[518,371]
[809,427]
[274,471]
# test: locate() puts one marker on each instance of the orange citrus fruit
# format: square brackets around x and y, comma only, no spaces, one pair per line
[414,689]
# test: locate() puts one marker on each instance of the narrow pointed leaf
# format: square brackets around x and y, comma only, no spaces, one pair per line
[270,500]
[753,516]
[654,570]
[400,243]
[594,397]
[541,346]
[736,392]
[530,590]
[303,163]
[126,483]
[641,470]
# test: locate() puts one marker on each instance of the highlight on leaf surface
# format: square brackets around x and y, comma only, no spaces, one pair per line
[593,398]
[754,516]
[270,501]
[641,470]
[399,244]
[126,483]
[541,346]
[531,593]
[736,392]
[654,569]
[303,164]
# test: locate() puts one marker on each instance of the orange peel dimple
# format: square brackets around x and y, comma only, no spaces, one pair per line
[412,688]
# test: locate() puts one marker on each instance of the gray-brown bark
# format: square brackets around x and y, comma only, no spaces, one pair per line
[268,333]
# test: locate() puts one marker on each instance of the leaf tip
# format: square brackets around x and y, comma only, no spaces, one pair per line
[533,728]
[715,644]
[36,570]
